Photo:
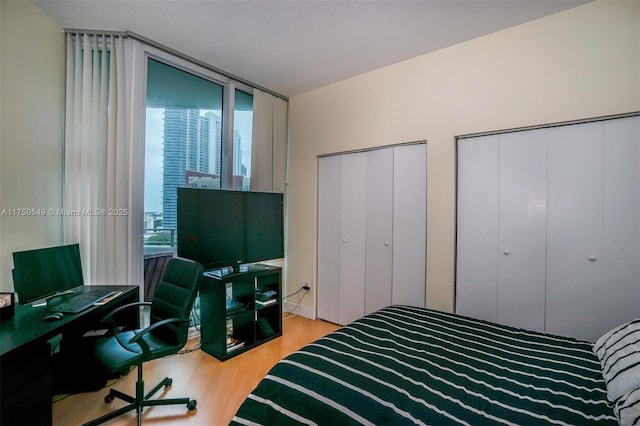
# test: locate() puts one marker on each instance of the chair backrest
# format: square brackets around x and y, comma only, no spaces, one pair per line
[154,265]
[174,297]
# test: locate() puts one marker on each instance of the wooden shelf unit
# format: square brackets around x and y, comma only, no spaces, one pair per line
[251,325]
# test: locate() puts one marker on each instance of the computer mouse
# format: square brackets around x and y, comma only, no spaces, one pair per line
[53,316]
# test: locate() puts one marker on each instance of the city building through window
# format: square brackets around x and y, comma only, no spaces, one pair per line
[198,134]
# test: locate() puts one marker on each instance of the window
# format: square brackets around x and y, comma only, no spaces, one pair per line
[186,144]
[242,130]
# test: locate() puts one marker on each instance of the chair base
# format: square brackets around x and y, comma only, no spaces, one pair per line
[141,400]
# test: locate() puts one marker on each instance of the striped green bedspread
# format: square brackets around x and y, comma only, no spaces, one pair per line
[404,366]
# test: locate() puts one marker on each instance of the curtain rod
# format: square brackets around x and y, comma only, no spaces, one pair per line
[181,55]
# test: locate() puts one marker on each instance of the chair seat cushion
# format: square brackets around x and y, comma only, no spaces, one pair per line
[117,354]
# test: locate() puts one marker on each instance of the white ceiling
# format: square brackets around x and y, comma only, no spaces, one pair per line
[291,47]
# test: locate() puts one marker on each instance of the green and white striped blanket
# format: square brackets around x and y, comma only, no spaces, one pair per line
[403,366]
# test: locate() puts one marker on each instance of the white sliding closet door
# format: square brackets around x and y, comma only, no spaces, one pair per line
[522,229]
[341,237]
[549,227]
[353,190]
[371,231]
[621,286]
[379,251]
[575,230]
[477,246]
[329,238]
[409,224]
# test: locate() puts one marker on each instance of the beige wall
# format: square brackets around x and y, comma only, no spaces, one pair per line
[581,63]
[31,122]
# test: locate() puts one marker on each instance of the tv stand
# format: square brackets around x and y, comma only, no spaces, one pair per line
[240,309]
[246,268]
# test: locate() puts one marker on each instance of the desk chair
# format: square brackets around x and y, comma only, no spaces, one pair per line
[167,334]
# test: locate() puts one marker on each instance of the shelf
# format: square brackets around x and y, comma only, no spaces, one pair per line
[240,310]
[266,304]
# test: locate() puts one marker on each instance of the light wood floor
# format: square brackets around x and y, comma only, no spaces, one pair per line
[219,387]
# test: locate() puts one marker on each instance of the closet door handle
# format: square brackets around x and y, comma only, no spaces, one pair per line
[506,252]
[592,258]
[386,243]
[344,240]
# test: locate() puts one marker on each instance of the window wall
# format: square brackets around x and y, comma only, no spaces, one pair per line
[242,132]
[198,134]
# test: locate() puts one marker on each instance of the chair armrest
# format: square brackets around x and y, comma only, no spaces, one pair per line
[108,318]
[138,337]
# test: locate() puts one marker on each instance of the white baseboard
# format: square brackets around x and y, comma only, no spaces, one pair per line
[303,311]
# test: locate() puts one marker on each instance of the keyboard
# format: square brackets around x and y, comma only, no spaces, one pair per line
[81,301]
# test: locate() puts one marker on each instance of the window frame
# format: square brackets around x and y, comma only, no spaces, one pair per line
[229,87]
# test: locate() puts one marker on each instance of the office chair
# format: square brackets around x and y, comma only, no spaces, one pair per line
[167,334]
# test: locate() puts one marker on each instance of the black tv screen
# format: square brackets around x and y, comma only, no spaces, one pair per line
[221,228]
[40,273]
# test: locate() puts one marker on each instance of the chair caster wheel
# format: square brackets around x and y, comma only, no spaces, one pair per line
[109,398]
[168,382]
[191,405]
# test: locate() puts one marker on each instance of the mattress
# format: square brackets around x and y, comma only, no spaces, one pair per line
[406,365]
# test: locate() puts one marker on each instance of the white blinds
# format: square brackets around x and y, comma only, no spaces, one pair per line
[97,170]
[269,143]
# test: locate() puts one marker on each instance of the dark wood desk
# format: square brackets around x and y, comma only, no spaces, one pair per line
[25,363]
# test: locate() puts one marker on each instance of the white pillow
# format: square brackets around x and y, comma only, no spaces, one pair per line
[627,409]
[619,355]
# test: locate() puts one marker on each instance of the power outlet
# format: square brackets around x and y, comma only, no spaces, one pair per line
[306,286]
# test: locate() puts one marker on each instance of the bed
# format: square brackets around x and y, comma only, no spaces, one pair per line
[406,365]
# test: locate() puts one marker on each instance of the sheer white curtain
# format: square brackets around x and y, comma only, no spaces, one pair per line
[99,176]
[269,143]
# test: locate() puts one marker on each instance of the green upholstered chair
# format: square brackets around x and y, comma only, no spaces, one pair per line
[166,335]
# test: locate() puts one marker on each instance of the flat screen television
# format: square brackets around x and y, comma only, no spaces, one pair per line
[222,228]
[41,273]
